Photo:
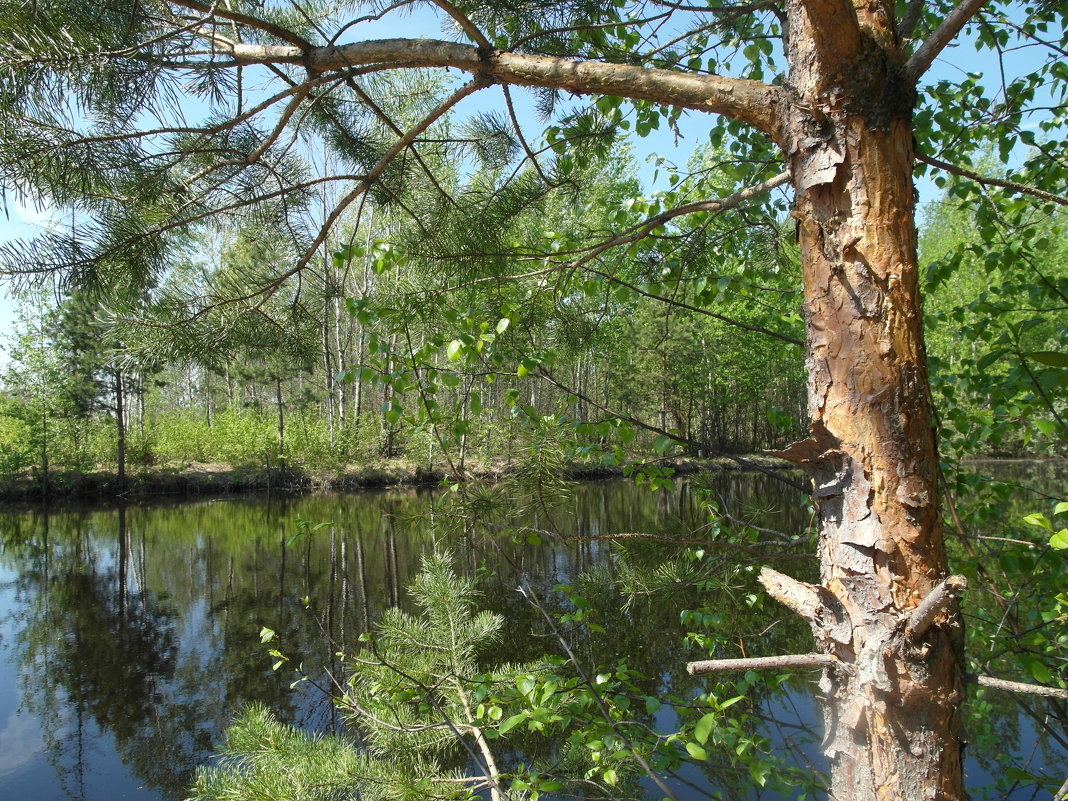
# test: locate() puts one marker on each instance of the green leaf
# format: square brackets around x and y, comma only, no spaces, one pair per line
[1038,519]
[758,772]
[1047,427]
[1051,357]
[696,751]
[267,635]
[502,325]
[1060,540]
[512,722]
[1041,673]
[990,358]
[704,727]
[454,350]
[525,685]
[662,443]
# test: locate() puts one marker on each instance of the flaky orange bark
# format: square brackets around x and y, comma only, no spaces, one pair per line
[892,721]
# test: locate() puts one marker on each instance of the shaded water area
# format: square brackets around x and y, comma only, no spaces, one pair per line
[129,637]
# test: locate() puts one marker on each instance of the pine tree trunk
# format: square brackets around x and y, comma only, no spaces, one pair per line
[891,713]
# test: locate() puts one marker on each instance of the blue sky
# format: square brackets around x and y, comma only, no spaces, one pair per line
[24,220]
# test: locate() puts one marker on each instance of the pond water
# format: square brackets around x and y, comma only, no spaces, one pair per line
[129,637]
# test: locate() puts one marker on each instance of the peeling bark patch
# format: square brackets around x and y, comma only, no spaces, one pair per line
[860,285]
[819,161]
[913,492]
[828,485]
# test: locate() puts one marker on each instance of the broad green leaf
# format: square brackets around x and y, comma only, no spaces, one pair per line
[704,727]
[1047,427]
[1038,519]
[512,722]
[525,685]
[990,358]
[1041,673]
[759,773]
[696,751]
[732,701]
[1050,357]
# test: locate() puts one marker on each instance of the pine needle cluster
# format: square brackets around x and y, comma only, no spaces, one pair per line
[413,706]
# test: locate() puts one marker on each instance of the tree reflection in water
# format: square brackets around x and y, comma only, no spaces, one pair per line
[137,630]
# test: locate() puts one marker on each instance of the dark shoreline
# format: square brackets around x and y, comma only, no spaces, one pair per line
[197,481]
[192,482]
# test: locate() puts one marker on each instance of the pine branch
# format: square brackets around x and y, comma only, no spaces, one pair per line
[753,102]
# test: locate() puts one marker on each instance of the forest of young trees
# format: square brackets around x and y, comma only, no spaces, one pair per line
[306,383]
[292,236]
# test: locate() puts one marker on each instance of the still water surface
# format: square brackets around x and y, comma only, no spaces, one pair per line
[129,637]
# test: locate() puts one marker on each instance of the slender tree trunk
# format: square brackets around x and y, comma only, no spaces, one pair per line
[891,716]
[340,360]
[357,403]
[328,373]
[229,388]
[44,455]
[208,407]
[120,431]
[141,406]
[281,420]
[464,408]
